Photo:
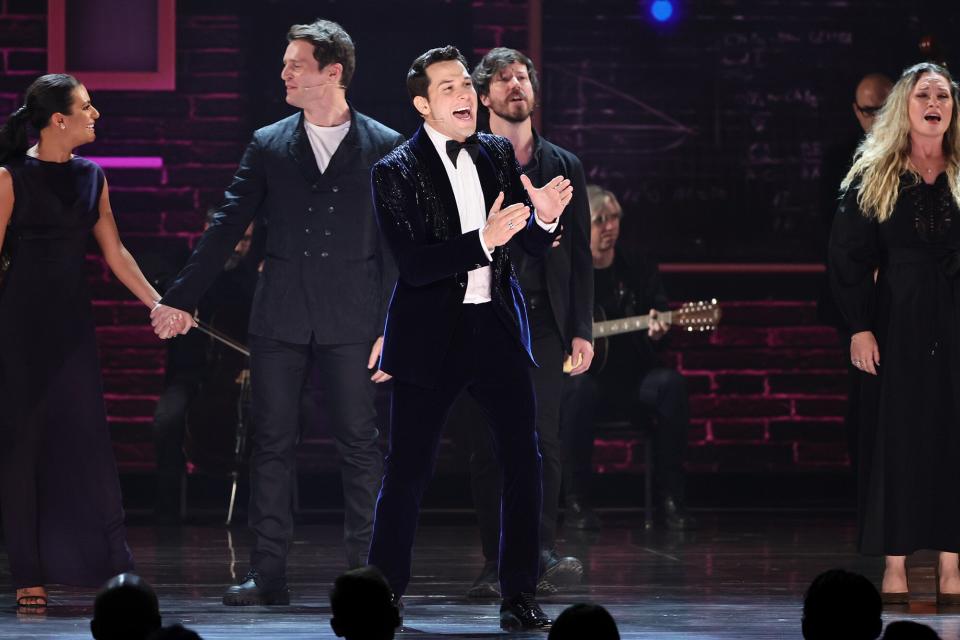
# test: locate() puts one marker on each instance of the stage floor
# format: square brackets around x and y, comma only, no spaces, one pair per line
[740,575]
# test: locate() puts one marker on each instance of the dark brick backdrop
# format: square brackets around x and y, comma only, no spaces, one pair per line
[767,387]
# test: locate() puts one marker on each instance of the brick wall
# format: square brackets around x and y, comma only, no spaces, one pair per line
[199,132]
[767,387]
[767,393]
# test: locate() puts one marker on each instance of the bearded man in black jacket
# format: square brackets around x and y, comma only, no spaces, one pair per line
[558,288]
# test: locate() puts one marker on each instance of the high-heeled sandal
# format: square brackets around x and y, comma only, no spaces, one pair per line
[945,599]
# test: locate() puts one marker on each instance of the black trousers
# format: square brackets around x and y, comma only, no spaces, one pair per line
[486,360]
[277,375]
[549,352]
[661,391]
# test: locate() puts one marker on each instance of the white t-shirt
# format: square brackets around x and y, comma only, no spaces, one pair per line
[325,140]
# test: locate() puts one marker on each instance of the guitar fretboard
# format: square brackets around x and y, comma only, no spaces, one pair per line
[626,325]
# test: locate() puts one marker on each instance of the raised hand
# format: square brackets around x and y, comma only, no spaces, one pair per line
[169,321]
[550,199]
[503,224]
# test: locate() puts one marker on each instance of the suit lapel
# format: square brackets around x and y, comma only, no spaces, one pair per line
[551,167]
[550,162]
[430,159]
[488,178]
[348,151]
[302,153]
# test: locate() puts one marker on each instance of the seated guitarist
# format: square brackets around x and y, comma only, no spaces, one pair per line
[628,380]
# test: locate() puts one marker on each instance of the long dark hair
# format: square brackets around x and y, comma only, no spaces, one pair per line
[47,95]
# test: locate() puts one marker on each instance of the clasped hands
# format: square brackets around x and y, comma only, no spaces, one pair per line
[169,321]
[549,201]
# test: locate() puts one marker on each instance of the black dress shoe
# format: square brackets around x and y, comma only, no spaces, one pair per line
[674,516]
[522,613]
[557,572]
[487,584]
[249,594]
[580,516]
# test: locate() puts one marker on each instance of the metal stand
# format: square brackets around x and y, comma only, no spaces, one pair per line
[240,440]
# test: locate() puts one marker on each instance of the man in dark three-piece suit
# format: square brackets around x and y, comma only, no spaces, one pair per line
[320,301]
[458,320]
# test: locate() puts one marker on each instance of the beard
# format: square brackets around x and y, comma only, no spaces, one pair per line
[504,112]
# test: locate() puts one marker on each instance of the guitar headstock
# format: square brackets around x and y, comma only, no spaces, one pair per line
[697,316]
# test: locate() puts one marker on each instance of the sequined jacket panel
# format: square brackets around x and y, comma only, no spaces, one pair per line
[418,215]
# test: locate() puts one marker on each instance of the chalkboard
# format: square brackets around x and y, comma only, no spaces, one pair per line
[712,129]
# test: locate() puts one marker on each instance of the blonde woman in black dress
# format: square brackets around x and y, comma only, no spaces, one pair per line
[63,519]
[895,266]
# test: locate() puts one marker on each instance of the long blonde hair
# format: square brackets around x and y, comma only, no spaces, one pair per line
[884,155]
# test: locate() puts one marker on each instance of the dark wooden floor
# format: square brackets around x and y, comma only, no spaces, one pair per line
[738,576]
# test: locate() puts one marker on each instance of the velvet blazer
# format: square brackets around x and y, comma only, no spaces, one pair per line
[418,216]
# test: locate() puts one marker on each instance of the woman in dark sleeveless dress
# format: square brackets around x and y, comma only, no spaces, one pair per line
[895,267]
[63,520]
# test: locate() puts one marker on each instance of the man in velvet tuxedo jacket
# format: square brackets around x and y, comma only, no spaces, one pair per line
[457,319]
[320,301]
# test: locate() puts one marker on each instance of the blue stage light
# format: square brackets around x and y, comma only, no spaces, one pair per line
[661,10]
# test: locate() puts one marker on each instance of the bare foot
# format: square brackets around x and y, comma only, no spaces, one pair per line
[32,599]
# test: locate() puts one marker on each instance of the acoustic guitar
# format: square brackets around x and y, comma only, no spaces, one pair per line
[691,316]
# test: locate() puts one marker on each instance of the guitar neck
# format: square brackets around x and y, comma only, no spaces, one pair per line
[607,328]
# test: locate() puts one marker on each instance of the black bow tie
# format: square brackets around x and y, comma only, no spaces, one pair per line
[471,144]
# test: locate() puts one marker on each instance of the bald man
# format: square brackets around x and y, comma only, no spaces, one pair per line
[871,93]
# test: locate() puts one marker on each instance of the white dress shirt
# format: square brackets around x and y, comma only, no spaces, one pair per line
[472,208]
[325,141]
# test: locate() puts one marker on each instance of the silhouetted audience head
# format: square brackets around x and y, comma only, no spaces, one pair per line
[909,630]
[580,621]
[125,609]
[842,605]
[362,605]
[175,632]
